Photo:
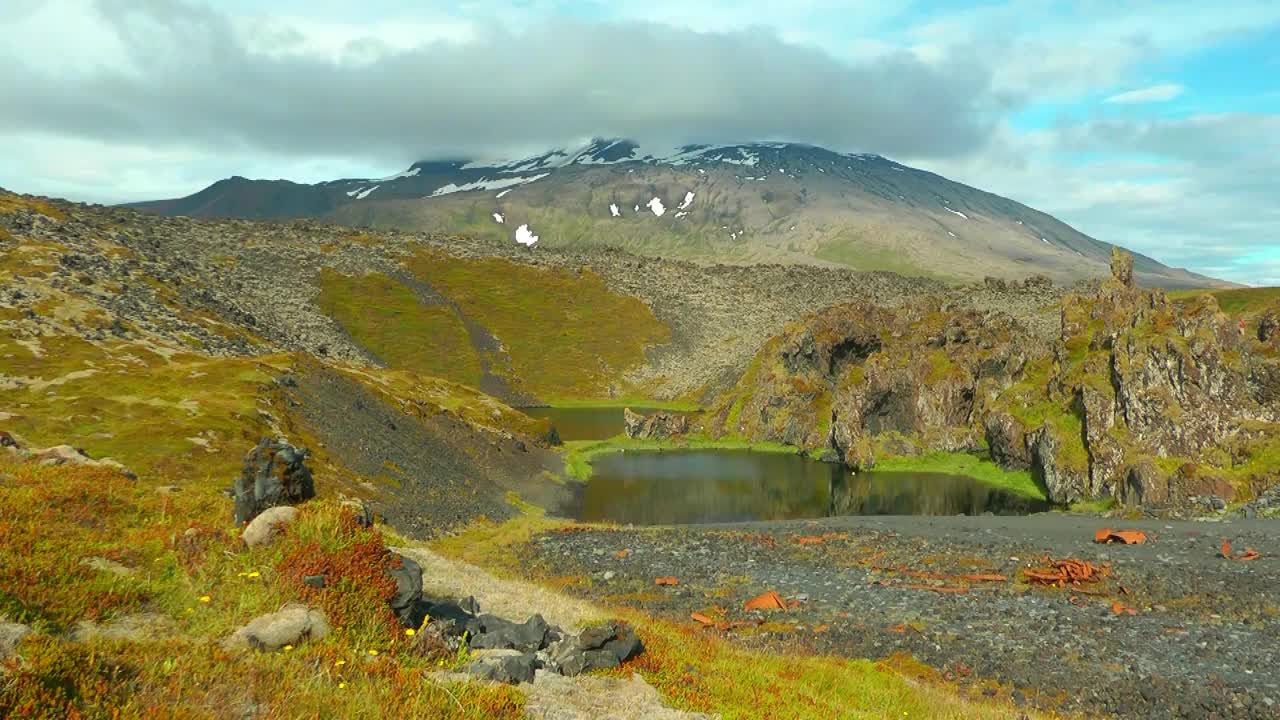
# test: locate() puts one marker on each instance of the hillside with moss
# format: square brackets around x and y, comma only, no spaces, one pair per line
[1140,399]
[141,360]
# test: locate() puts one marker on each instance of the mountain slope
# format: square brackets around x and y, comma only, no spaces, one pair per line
[763,202]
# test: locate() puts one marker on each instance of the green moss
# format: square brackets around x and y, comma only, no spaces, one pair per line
[1019,482]
[386,318]
[568,336]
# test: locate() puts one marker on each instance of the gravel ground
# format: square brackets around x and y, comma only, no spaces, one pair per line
[1202,641]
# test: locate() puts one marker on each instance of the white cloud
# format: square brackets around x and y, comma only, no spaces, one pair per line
[1153,94]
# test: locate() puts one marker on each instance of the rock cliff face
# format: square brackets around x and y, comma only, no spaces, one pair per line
[1141,398]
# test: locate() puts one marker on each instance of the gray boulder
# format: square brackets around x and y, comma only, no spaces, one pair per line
[491,632]
[263,528]
[291,625]
[596,648]
[274,473]
[504,666]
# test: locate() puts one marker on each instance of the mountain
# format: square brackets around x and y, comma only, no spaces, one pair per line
[751,203]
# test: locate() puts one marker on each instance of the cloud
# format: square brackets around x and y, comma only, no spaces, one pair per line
[188,76]
[1153,94]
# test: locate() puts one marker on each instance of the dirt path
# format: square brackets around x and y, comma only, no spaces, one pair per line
[1173,630]
[549,696]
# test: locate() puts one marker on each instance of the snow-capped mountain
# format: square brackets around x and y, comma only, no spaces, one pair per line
[754,202]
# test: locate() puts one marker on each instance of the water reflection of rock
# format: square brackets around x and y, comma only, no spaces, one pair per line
[896,493]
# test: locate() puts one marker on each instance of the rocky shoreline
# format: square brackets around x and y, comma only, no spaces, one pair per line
[1173,629]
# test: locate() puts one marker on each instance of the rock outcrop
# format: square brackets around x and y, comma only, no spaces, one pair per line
[275,473]
[656,426]
[1142,398]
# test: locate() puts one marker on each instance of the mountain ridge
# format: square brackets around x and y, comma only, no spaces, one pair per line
[744,203]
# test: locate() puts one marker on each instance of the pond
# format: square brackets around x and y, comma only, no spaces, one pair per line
[703,486]
[585,423]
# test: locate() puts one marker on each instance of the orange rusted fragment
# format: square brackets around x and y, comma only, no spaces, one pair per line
[766,601]
[1119,608]
[703,619]
[667,580]
[1248,554]
[819,629]
[1124,537]
[1061,572]
[1226,549]
[622,553]
[900,628]
[1077,601]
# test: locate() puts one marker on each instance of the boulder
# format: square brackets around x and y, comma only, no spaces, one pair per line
[275,473]
[596,648]
[291,625]
[490,632]
[11,635]
[140,627]
[8,441]
[408,576]
[658,426]
[503,666]
[1269,327]
[271,522]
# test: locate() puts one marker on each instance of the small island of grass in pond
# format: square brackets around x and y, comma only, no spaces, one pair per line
[716,485]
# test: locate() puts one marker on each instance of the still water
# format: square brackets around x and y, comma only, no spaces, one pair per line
[696,486]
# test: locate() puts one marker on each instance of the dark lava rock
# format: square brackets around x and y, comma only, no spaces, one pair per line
[275,473]
[504,666]
[6,440]
[490,632]
[408,577]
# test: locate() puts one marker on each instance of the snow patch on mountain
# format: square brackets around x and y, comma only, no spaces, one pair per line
[487,184]
[525,236]
[657,207]
[688,200]
[365,193]
[497,217]
[955,212]
[614,211]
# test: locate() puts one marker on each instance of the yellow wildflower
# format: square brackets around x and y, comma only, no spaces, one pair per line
[373,653]
[410,632]
[205,598]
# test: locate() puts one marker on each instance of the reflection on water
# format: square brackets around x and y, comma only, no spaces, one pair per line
[693,486]
[585,423]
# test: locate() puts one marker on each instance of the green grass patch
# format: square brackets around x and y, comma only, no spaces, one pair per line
[1018,482]
[567,334]
[386,318]
[1239,301]
[677,405]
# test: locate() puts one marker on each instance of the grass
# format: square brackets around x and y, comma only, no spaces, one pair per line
[677,405]
[1018,482]
[567,334]
[580,453]
[189,566]
[386,318]
[1236,302]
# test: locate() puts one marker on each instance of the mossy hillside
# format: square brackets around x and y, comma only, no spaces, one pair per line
[1236,302]
[157,409]
[567,334]
[390,321]
[1018,482]
[11,203]
[186,566]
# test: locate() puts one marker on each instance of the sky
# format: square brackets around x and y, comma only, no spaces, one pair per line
[1150,124]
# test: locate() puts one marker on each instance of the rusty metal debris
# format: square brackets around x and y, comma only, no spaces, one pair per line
[1248,554]
[766,601]
[668,580]
[1067,572]
[818,539]
[1106,536]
